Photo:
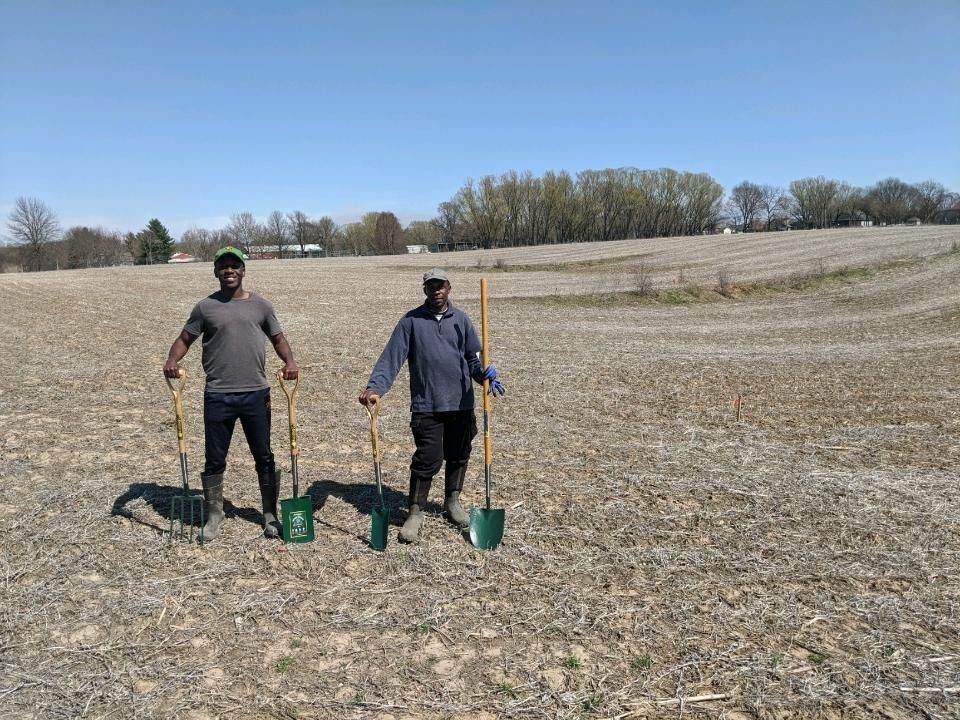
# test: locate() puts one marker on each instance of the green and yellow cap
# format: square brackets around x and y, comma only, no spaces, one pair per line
[231,250]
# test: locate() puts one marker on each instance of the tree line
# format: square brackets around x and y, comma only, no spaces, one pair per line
[510,210]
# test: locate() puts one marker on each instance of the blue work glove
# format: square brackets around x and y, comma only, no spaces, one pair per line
[496,387]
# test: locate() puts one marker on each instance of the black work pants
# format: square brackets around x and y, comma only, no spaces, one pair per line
[220,414]
[440,436]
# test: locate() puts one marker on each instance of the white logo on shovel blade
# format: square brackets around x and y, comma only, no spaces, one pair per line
[298,524]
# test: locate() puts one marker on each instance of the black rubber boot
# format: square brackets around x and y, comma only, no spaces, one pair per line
[269,491]
[454,510]
[452,486]
[410,532]
[212,505]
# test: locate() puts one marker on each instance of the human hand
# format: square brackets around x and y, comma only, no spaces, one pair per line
[368,397]
[171,369]
[291,371]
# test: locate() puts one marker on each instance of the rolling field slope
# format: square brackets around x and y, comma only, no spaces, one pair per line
[801,561]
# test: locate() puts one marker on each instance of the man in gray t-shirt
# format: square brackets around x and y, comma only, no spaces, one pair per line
[235,325]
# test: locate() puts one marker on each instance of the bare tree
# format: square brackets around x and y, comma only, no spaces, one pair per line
[931,199]
[775,204]
[387,234]
[202,244]
[300,230]
[703,202]
[421,232]
[325,232]
[561,207]
[604,192]
[357,237]
[245,231]
[277,231]
[449,221]
[891,201]
[746,203]
[850,202]
[92,247]
[32,226]
[131,241]
[815,201]
[483,210]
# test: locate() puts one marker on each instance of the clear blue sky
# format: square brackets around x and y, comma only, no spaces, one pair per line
[113,113]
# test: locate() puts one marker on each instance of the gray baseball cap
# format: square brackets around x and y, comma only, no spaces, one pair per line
[435,274]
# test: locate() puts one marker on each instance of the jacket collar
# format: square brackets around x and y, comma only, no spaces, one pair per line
[431,314]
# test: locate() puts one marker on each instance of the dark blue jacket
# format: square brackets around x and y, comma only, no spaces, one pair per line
[443,357]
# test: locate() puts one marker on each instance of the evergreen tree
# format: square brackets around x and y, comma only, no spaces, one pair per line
[156,245]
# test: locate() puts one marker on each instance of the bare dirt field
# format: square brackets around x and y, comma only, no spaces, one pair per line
[803,561]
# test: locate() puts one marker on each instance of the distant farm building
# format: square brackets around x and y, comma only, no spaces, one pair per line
[417,249]
[454,246]
[181,257]
[854,219]
[274,252]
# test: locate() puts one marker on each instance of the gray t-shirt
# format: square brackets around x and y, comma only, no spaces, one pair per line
[234,334]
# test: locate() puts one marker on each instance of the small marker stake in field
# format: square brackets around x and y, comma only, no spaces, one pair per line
[738,406]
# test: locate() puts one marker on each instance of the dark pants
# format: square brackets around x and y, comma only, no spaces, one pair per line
[221,412]
[442,436]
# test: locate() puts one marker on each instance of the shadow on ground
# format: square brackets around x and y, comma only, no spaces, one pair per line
[158,497]
[363,497]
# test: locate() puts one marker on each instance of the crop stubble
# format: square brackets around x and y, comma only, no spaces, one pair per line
[801,562]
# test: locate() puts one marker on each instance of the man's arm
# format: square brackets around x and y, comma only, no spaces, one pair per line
[177,351]
[478,372]
[282,348]
[471,351]
[392,358]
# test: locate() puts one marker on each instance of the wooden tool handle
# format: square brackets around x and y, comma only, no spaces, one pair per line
[177,393]
[291,411]
[291,394]
[485,335]
[182,374]
[374,429]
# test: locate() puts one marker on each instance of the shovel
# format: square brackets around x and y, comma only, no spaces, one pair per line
[379,516]
[486,524]
[182,505]
[297,512]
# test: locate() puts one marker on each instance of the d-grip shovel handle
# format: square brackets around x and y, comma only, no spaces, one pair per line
[292,408]
[177,393]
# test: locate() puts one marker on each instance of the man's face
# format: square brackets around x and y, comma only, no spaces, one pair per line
[437,292]
[229,271]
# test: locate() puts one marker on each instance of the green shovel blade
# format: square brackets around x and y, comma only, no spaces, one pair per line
[486,528]
[379,524]
[297,519]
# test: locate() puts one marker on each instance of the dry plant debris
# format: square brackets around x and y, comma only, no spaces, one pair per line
[661,558]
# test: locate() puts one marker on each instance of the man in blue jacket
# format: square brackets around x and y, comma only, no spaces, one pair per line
[443,350]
